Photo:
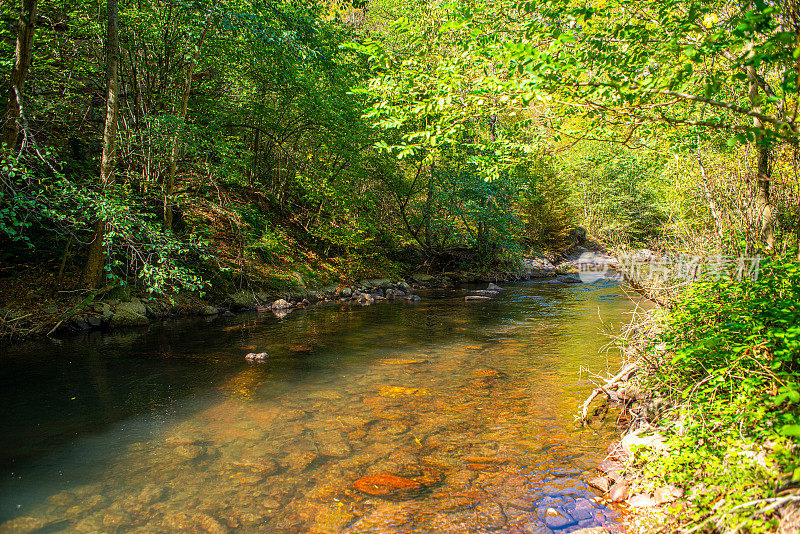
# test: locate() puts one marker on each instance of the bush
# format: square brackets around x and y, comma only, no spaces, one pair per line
[733,350]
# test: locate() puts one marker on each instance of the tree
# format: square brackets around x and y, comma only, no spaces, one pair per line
[629,66]
[96,259]
[22,61]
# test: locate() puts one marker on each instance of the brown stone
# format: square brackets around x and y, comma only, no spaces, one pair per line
[600,483]
[608,465]
[619,492]
[387,485]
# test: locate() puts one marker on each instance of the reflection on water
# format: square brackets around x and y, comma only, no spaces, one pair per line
[437,416]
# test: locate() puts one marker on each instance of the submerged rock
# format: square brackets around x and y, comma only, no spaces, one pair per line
[557,519]
[23,525]
[471,298]
[388,485]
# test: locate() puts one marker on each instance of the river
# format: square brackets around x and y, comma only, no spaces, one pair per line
[435,416]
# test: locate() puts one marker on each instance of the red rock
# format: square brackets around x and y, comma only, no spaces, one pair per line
[385,484]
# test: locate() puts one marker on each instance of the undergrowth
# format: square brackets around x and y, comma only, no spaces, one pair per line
[729,353]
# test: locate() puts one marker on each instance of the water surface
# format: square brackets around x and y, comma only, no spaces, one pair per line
[168,429]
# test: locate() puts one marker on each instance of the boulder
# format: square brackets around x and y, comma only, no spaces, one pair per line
[280,304]
[421,277]
[240,300]
[129,314]
[493,287]
[667,494]
[619,492]
[380,283]
[413,298]
[208,310]
[486,292]
[600,483]
[578,235]
[606,466]
[638,440]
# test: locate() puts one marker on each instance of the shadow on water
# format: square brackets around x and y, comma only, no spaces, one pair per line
[167,428]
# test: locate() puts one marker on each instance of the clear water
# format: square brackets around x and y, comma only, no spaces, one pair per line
[168,429]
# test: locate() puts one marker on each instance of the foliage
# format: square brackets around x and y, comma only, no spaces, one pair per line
[733,353]
[618,192]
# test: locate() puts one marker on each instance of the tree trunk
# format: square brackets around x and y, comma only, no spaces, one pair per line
[181,115]
[764,170]
[429,209]
[96,259]
[712,204]
[794,19]
[22,62]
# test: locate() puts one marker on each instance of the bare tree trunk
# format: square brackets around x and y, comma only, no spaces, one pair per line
[22,62]
[181,115]
[96,259]
[712,204]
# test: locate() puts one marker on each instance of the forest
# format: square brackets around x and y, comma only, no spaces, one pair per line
[189,149]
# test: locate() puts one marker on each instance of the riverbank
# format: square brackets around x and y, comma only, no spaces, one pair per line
[114,307]
[708,400]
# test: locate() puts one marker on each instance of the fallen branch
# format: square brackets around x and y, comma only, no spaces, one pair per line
[81,305]
[616,380]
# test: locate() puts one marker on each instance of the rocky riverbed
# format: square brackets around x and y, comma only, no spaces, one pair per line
[437,416]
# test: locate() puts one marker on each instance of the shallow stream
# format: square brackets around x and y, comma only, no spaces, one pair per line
[435,416]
